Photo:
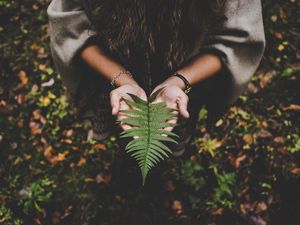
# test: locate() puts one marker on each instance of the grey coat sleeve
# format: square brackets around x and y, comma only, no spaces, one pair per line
[240,42]
[69,30]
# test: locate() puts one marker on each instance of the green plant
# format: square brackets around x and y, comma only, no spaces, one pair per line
[7,217]
[191,172]
[296,146]
[224,191]
[148,120]
[37,193]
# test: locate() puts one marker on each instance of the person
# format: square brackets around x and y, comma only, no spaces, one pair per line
[104,49]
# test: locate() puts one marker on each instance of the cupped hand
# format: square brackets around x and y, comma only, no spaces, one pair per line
[117,102]
[174,97]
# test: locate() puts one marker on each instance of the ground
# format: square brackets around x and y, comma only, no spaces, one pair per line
[244,171]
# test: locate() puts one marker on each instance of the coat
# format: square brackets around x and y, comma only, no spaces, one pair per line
[239,41]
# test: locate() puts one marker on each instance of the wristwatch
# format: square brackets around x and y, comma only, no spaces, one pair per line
[188,86]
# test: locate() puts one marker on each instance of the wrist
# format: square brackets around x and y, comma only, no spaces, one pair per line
[175,81]
[125,79]
[121,78]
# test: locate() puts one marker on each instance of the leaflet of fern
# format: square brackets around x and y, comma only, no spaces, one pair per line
[148,120]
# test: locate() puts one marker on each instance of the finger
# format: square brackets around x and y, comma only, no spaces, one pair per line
[182,103]
[115,99]
[172,121]
[123,106]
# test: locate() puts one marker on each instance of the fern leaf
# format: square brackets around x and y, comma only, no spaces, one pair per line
[148,120]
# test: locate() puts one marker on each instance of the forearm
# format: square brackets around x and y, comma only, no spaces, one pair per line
[200,69]
[105,65]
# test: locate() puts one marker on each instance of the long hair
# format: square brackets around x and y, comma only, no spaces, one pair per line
[125,26]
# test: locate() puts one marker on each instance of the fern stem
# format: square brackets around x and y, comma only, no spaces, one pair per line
[144,171]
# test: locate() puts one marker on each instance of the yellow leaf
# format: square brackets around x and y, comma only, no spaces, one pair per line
[51,95]
[248,139]
[45,101]
[89,180]
[23,77]
[281,47]
[177,206]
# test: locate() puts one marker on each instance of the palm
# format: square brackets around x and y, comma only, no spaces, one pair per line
[118,97]
[168,96]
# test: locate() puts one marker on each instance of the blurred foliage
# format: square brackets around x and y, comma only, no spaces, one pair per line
[244,171]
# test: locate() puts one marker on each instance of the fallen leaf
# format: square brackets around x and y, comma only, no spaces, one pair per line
[279,140]
[295,171]
[177,206]
[20,98]
[68,133]
[36,114]
[27,156]
[35,128]
[292,107]
[169,185]
[81,162]
[248,139]
[45,101]
[62,156]
[265,79]
[278,35]
[261,207]
[23,77]
[89,180]
[99,147]
[262,133]
[48,152]
[217,212]
[103,178]
[48,83]
[67,141]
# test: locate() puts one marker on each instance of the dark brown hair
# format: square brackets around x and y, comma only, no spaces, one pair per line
[124,24]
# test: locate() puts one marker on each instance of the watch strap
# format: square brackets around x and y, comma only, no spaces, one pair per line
[188,86]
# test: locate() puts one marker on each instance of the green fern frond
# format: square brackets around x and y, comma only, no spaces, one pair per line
[148,120]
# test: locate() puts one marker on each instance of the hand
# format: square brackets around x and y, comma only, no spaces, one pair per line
[174,97]
[117,102]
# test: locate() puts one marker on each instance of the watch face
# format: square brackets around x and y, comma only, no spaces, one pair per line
[188,90]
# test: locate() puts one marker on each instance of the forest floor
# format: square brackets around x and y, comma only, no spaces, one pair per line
[245,171]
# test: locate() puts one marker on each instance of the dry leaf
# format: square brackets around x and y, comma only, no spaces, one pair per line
[81,162]
[35,128]
[45,101]
[261,207]
[103,178]
[23,77]
[99,147]
[262,133]
[68,133]
[248,139]
[279,140]
[295,171]
[177,206]
[89,180]
[169,185]
[36,114]
[292,107]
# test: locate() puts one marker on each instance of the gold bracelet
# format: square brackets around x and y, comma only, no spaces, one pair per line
[113,82]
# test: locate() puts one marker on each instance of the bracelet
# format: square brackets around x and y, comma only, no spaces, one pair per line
[188,86]
[113,82]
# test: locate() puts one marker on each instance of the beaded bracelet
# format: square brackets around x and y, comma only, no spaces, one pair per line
[113,82]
